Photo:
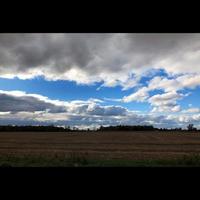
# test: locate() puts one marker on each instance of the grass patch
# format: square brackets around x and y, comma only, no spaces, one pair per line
[74,160]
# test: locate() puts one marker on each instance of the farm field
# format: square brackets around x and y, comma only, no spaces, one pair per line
[100,146]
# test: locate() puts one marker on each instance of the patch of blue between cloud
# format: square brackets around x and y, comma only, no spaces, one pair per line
[62,90]
[193,98]
[151,74]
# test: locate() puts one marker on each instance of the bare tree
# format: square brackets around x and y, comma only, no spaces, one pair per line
[191,127]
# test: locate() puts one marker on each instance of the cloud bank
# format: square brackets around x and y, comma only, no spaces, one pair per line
[20,108]
[115,59]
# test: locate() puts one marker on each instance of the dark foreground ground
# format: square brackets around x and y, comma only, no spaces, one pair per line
[100,149]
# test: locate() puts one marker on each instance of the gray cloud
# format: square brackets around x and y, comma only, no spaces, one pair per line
[18,101]
[10,103]
[106,110]
[87,58]
[161,121]
[63,50]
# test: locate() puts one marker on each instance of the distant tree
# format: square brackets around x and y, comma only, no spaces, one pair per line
[67,128]
[191,127]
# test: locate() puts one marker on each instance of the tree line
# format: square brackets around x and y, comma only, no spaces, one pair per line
[33,128]
[52,128]
[190,127]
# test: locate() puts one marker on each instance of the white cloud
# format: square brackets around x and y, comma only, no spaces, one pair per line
[170,87]
[162,83]
[166,102]
[189,81]
[165,99]
[181,82]
[139,96]
[192,110]
[168,108]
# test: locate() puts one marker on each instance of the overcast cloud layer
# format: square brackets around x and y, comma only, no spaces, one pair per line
[87,58]
[111,59]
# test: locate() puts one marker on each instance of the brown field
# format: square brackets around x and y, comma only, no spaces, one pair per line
[107,145]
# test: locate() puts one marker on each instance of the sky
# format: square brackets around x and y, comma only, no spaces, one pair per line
[89,80]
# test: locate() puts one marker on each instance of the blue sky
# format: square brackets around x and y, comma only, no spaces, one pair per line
[100,79]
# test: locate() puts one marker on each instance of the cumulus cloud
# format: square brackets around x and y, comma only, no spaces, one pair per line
[21,102]
[166,102]
[17,101]
[181,82]
[139,96]
[106,110]
[192,110]
[170,87]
